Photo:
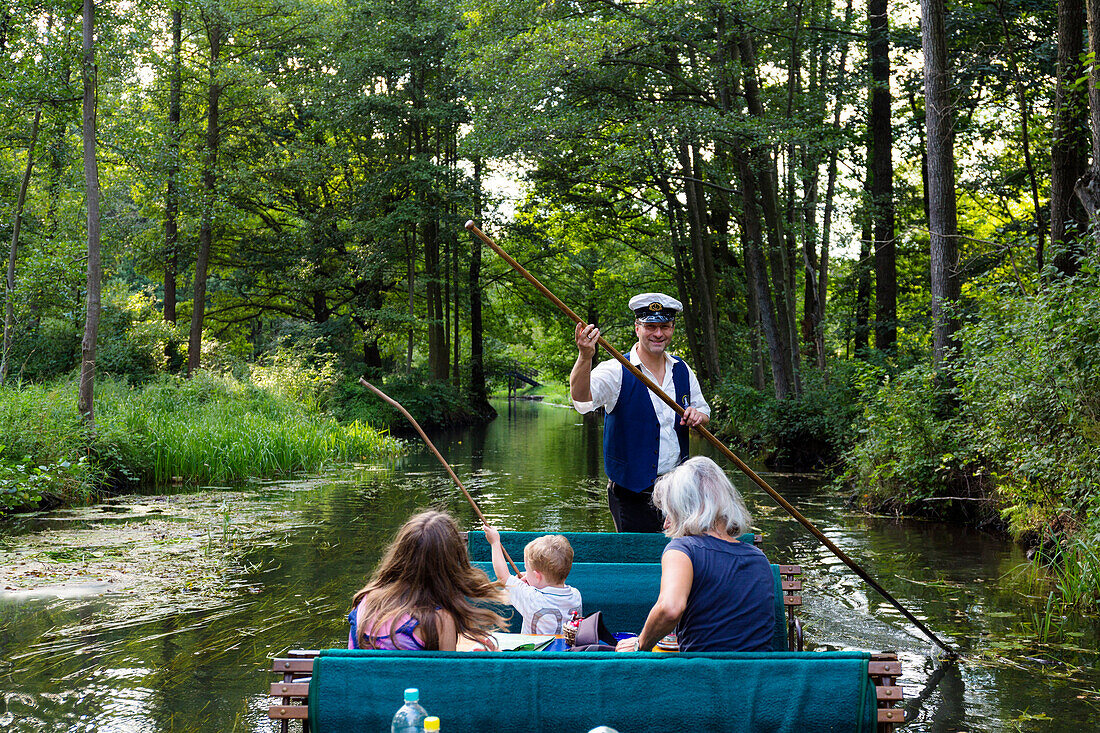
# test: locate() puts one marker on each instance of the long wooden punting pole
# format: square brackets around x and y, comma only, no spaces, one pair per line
[394,403]
[472,228]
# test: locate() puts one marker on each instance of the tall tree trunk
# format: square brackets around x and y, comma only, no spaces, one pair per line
[827,215]
[209,186]
[9,283]
[752,319]
[1069,148]
[703,306]
[753,237]
[453,242]
[479,394]
[882,177]
[683,274]
[792,256]
[437,346]
[410,277]
[765,188]
[756,274]
[942,220]
[456,352]
[862,334]
[1088,186]
[171,194]
[86,391]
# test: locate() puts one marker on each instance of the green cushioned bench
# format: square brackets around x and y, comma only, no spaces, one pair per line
[572,692]
[587,546]
[625,592]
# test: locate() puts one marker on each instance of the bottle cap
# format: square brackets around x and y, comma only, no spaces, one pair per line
[431,723]
[412,694]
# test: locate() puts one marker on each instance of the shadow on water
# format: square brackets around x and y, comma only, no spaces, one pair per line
[192,653]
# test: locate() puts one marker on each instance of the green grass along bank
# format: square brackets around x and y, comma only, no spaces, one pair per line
[212,428]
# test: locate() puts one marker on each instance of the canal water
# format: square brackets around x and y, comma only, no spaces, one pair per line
[272,566]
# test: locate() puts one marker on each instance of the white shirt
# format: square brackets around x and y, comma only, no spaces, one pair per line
[607,381]
[544,610]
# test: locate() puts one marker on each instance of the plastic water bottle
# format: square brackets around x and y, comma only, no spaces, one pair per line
[410,717]
[431,723]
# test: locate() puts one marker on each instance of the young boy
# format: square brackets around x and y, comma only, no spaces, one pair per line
[541,596]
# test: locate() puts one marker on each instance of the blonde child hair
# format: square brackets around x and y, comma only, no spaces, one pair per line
[426,571]
[551,555]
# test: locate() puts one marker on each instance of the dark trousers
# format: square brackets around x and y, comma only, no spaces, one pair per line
[633,511]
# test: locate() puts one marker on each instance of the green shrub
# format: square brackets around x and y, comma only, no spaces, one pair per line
[48,350]
[1029,383]
[432,403]
[810,432]
[299,373]
[906,449]
[23,483]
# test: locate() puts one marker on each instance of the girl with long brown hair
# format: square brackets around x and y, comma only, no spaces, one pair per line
[424,593]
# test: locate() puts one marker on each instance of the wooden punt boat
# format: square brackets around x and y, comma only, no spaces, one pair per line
[619,574]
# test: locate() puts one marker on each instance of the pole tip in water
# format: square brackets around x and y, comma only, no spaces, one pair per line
[469,225]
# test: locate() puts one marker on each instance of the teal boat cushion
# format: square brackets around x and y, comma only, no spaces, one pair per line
[786,692]
[587,546]
[625,592]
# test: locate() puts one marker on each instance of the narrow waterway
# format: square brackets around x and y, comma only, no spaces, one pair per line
[253,571]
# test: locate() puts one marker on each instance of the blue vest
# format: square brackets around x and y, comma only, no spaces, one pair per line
[631,434]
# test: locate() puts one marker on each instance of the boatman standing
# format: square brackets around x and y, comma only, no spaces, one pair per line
[642,436]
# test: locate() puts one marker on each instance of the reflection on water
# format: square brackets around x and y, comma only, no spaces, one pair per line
[195,658]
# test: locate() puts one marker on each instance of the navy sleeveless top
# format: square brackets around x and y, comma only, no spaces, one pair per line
[731,604]
[631,433]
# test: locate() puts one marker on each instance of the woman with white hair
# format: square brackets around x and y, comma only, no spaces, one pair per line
[716,592]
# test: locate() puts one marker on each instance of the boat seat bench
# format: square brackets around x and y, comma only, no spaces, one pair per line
[624,593]
[619,574]
[587,546]
[335,691]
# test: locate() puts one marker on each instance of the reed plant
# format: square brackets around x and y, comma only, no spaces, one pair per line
[215,428]
[41,421]
[210,428]
[1077,569]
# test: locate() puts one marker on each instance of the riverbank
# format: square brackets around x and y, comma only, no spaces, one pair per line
[210,428]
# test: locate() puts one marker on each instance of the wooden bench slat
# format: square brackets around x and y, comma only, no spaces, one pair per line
[289,689]
[292,665]
[891,715]
[792,600]
[790,570]
[288,712]
[791,584]
[888,692]
[884,669]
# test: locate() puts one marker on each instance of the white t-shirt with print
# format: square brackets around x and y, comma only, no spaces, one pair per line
[544,610]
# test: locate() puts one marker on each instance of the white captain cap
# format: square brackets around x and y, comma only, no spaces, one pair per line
[655,307]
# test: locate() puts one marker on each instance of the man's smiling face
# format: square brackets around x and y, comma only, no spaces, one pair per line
[654,337]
